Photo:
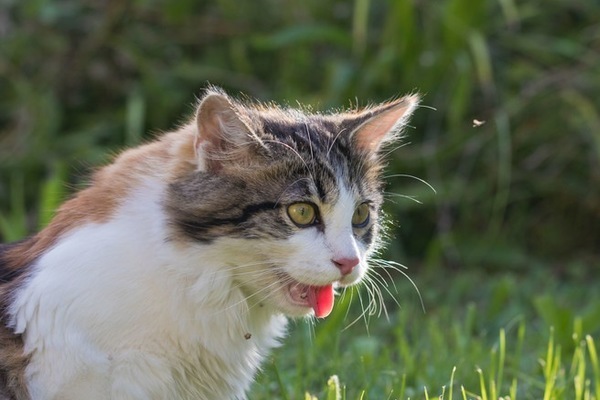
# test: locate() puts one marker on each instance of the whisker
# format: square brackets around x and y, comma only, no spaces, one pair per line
[374,285]
[399,268]
[366,310]
[391,263]
[371,308]
[423,181]
[370,288]
[351,289]
[382,268]
[385,286]
[245,299]
[404,196]
[362,314]
[382,307]
[390,151]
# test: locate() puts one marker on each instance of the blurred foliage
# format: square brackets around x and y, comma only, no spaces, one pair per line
[80,80]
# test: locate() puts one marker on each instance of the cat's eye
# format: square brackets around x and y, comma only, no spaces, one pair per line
[361,216]
[302,214]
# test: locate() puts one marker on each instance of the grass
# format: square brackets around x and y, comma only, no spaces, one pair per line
[482,338]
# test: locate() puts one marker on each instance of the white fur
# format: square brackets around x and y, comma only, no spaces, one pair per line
[118,311]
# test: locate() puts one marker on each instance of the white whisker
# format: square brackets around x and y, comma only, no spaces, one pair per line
[382,307]
[404,196]
[387,153]
[245,299]
[398,268]
[412,177]
[376,276]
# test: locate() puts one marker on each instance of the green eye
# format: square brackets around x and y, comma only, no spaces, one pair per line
[302,214]
[360,219]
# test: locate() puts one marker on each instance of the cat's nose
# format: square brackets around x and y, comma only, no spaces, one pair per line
[346,265]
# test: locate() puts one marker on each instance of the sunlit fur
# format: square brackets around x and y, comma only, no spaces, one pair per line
[169,277]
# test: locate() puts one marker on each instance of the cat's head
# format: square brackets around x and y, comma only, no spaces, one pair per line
[291,198]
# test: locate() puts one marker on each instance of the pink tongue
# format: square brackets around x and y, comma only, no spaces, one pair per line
[321,300]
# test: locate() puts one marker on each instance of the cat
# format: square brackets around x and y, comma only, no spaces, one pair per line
[173,274]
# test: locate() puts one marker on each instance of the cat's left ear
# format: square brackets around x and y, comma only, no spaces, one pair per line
[375,126]
[223,135]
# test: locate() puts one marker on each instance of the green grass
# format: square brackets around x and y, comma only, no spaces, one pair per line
[483,337]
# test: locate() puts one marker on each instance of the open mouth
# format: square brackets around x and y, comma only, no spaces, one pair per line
[319,298]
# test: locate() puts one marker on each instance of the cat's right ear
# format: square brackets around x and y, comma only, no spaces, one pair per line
[375,126]
[222,134]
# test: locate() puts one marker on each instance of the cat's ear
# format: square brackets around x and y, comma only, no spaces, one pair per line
[375,126]
[222,134]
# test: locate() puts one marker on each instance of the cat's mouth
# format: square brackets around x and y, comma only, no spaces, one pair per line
[319,298]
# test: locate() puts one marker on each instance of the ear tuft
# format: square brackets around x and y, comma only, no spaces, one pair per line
[373,127]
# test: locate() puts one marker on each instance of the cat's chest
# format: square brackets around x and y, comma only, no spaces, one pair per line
[222,362]
[210,340]
[216,356]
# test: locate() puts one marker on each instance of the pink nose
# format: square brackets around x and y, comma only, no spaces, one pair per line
[346,265]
